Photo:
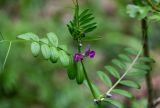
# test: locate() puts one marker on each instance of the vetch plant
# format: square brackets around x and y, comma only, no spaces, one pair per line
[130,63]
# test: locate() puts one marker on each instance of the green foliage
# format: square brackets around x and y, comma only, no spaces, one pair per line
[95,88]
[129,61]
[81,24]
[115,103]
[138,12]
[72,70]
[112,71]
[155,17]
[80,73]
[45,51]
[122,92]
[35,48]
[52,51]
[106,80]
[29,36]
[48,47]
[53,39]
[64,58]
[118,63]
[130,83]
[54,54]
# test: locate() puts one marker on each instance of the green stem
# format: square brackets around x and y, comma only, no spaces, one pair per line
[146,54]
[87,79]
[15,41]
[125,73]
[86,76]
[7,54]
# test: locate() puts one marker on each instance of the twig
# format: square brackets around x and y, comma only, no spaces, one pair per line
[156,102]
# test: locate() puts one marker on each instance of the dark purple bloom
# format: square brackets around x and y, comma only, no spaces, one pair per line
[78,57]
[90,53]
[87,52]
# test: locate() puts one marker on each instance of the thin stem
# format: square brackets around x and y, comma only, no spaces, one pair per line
[87,79]
[146,54]
[15,41]
[128,69]
[5,60]
[86,76]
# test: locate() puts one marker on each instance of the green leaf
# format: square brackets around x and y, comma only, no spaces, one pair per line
[124,58]
[52,39]
[70,29]
[25,36]
[118,63]
[122,92]
[112,71]
[142,67]
[115,103]
[131,51]
[96,89]
[130,84]
[137,73]
[64,58]
[29,36]
[138,2]
[90,29]
[80,73]
[44,40]
[86,21]
[63,47]
[89,25]
[85,17]
[155,17]
[133,10]
[146,60]
[54,54]
[72,70]
[136,11]
[45,51]
[35,48]
[84,13]
[106,80]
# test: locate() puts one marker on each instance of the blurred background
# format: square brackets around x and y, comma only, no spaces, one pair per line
[29,82]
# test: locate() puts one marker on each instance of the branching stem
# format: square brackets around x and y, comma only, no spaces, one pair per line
[128,69]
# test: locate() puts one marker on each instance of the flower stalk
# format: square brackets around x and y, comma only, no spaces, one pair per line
[87,78]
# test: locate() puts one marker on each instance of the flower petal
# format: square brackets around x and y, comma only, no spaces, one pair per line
[92,54]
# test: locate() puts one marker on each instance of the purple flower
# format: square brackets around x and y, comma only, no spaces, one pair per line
[90,53]
[87,53]
[78,57]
